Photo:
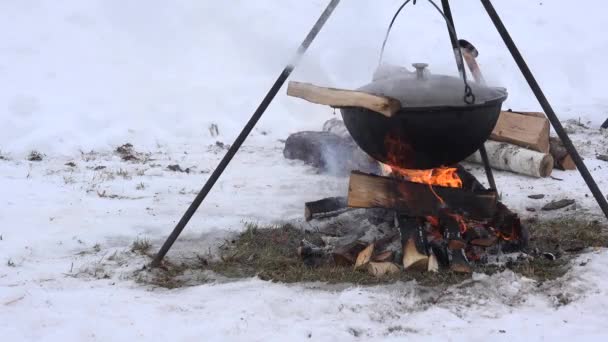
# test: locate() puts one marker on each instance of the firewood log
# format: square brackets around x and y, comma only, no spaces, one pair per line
[324,206]
[527,130]
[516,159]
[561,157]
[339,98]
[380,269]
[364,256]
[372,191]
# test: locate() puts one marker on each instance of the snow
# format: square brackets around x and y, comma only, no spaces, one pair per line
[80,76]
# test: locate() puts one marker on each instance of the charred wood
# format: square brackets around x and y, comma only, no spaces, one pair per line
[414,199]
[325,207]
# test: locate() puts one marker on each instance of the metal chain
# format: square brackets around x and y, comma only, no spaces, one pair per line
[469,97]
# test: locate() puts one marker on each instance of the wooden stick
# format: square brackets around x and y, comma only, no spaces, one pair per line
[339,98]
[414,199]
[516,159]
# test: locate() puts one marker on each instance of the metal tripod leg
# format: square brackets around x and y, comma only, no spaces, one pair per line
[243,135]
[540,96]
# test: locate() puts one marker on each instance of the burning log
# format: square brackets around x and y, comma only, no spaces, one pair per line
[453,226]
[561,157]
[527,130]
[516,159]
[339,98]
[415,199]
[413,240]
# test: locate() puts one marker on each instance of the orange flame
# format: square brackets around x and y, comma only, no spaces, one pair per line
[442,176]
[398,153]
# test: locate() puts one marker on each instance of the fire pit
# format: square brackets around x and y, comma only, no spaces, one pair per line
[417,126]
[444,217]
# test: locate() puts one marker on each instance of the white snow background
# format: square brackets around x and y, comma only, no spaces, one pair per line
[89,75]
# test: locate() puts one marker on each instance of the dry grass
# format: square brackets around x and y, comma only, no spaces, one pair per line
[141,246]
[568,235]
[271,254]
[35,156]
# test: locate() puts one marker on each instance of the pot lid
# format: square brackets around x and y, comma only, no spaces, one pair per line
[423,89]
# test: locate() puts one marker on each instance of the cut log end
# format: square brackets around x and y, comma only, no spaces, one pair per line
[546,166]
[380,269]
[412,258]
[364,256]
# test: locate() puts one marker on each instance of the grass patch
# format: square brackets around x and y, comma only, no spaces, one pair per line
[564,238]
[271,254]
[567,234]
[141,246]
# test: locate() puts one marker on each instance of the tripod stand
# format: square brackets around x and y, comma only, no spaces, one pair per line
[601,200]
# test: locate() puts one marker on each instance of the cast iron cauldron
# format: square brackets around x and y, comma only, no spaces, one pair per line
[435,126]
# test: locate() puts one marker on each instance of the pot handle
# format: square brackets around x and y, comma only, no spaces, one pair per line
[469,97]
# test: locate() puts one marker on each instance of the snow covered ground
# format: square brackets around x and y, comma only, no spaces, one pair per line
[81,76]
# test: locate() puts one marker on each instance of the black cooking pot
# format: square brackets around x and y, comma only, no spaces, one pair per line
[435,126]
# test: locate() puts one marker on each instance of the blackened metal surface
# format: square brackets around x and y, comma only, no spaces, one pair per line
[423,138]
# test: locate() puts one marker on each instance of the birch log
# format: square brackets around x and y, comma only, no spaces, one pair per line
[516,159]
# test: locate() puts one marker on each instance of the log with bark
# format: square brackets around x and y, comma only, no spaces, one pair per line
[561,157]
[415,199]
[528,130]
[516,159]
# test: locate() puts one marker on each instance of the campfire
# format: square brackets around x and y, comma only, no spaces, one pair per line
[443,218]
[419,126]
